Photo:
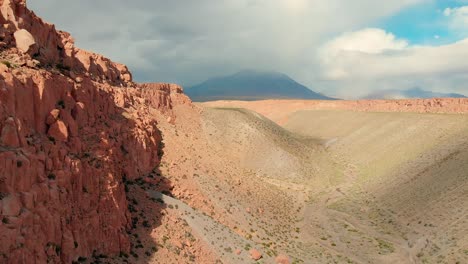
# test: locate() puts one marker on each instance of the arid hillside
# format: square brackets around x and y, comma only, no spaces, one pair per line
[398,191]
[95,168]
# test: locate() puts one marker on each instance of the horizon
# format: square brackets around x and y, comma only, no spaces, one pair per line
[398,45]
[251,165]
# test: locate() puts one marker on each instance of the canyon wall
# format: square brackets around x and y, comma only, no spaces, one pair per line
[73,128]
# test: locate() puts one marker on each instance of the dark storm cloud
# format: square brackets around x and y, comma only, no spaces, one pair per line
[189,41]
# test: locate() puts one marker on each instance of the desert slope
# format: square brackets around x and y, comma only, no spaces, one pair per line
[400,193]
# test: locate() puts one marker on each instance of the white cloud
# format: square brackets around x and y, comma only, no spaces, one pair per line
[374,56]
[351,47]
[189,41]
[447,11]
[458,19]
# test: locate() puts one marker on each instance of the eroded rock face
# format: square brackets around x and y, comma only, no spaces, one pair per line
[73,126]
[61,174]
[42,42]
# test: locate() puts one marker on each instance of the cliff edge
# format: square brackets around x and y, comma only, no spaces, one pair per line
[73,128]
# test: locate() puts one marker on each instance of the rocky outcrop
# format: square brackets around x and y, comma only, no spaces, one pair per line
[73,127]
[163,96]
[39,41]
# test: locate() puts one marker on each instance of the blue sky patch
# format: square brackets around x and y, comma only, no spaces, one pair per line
[423,24]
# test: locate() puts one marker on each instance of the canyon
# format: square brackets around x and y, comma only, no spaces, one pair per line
[96,168]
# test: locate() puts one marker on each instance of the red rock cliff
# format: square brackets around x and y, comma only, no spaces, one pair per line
[72,126]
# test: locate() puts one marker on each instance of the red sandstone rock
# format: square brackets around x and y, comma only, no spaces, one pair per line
[58,131]
[255,254]
[238,251]
[9,136]
[282,259]
[52,116]
[71,190]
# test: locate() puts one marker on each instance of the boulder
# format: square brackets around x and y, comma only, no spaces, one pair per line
[58,131]
[25,41]
[52,116]
[11,206]
[282,259]
[255,254]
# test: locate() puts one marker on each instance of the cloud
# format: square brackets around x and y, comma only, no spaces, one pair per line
[189,41]
[376,59]
[458,19]
[349,48]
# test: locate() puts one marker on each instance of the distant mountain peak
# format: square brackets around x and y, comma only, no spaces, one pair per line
[412,93]
[252,85]
[250,72]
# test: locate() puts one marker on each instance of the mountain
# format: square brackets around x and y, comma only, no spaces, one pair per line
[251,85]
[413,93]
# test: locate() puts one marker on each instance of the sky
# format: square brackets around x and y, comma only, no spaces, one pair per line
[341,48]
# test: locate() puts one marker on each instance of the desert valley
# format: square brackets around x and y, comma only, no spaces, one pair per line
[97,168]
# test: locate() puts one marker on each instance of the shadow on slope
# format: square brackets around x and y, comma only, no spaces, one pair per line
[263,146]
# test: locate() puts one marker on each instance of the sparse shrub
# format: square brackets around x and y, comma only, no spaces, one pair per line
[5,220]
[7,63]
[131,208]
[135,255]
